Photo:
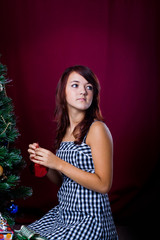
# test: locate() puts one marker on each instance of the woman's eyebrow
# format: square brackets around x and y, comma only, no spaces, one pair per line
[74,81]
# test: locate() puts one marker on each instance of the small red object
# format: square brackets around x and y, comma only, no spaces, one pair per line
[39,170]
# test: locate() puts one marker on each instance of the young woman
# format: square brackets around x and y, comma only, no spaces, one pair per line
[82,165]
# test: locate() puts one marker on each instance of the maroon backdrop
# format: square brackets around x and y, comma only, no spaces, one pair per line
[118,40]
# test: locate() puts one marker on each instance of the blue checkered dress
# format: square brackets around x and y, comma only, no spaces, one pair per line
[82,214]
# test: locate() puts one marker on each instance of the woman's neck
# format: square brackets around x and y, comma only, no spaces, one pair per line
[75,118]
[73,123]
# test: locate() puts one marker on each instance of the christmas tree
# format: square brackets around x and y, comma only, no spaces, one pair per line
[11,161]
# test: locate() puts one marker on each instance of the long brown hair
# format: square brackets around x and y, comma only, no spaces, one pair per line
[61,112]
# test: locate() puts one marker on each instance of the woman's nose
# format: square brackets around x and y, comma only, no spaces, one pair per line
[83,91]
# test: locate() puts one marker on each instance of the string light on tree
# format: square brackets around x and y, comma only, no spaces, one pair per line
[1,87]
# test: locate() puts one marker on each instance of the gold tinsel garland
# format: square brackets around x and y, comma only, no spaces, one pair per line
[7,125]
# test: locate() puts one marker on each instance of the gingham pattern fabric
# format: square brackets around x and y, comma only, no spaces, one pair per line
[82,214]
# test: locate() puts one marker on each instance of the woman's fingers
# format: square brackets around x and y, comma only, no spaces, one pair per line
[31,151]
[36,145]
[39,158]
[34,160]
[31,157]
[41,152]
[32,146]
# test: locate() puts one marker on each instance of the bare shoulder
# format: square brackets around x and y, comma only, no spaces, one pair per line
[99,132]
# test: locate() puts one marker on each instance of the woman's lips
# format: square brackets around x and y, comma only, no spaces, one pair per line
[81,99]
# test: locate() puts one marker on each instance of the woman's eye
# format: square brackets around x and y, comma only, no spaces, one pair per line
[89,87]
[74,85]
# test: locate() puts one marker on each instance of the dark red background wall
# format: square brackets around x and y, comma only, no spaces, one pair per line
[119,41]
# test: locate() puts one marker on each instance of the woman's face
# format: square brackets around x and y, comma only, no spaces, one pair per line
[79,92]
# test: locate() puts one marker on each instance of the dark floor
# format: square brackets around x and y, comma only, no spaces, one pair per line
[128,233]
[138,233]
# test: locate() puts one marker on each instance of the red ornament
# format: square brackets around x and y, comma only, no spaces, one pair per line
[39,170]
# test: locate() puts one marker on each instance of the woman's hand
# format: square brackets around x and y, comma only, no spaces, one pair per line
[42,156]
[46,159]
[31,150]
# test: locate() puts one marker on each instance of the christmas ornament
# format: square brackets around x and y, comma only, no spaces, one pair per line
[39,170]
[1,170]
[13,208]
[2,175]
[1,87]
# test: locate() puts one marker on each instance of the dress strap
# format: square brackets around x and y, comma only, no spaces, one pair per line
[84,139]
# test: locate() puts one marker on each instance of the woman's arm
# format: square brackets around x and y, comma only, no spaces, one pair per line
[55,176]
[100,141]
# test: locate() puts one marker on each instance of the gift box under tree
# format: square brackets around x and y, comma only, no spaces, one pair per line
[6,232]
